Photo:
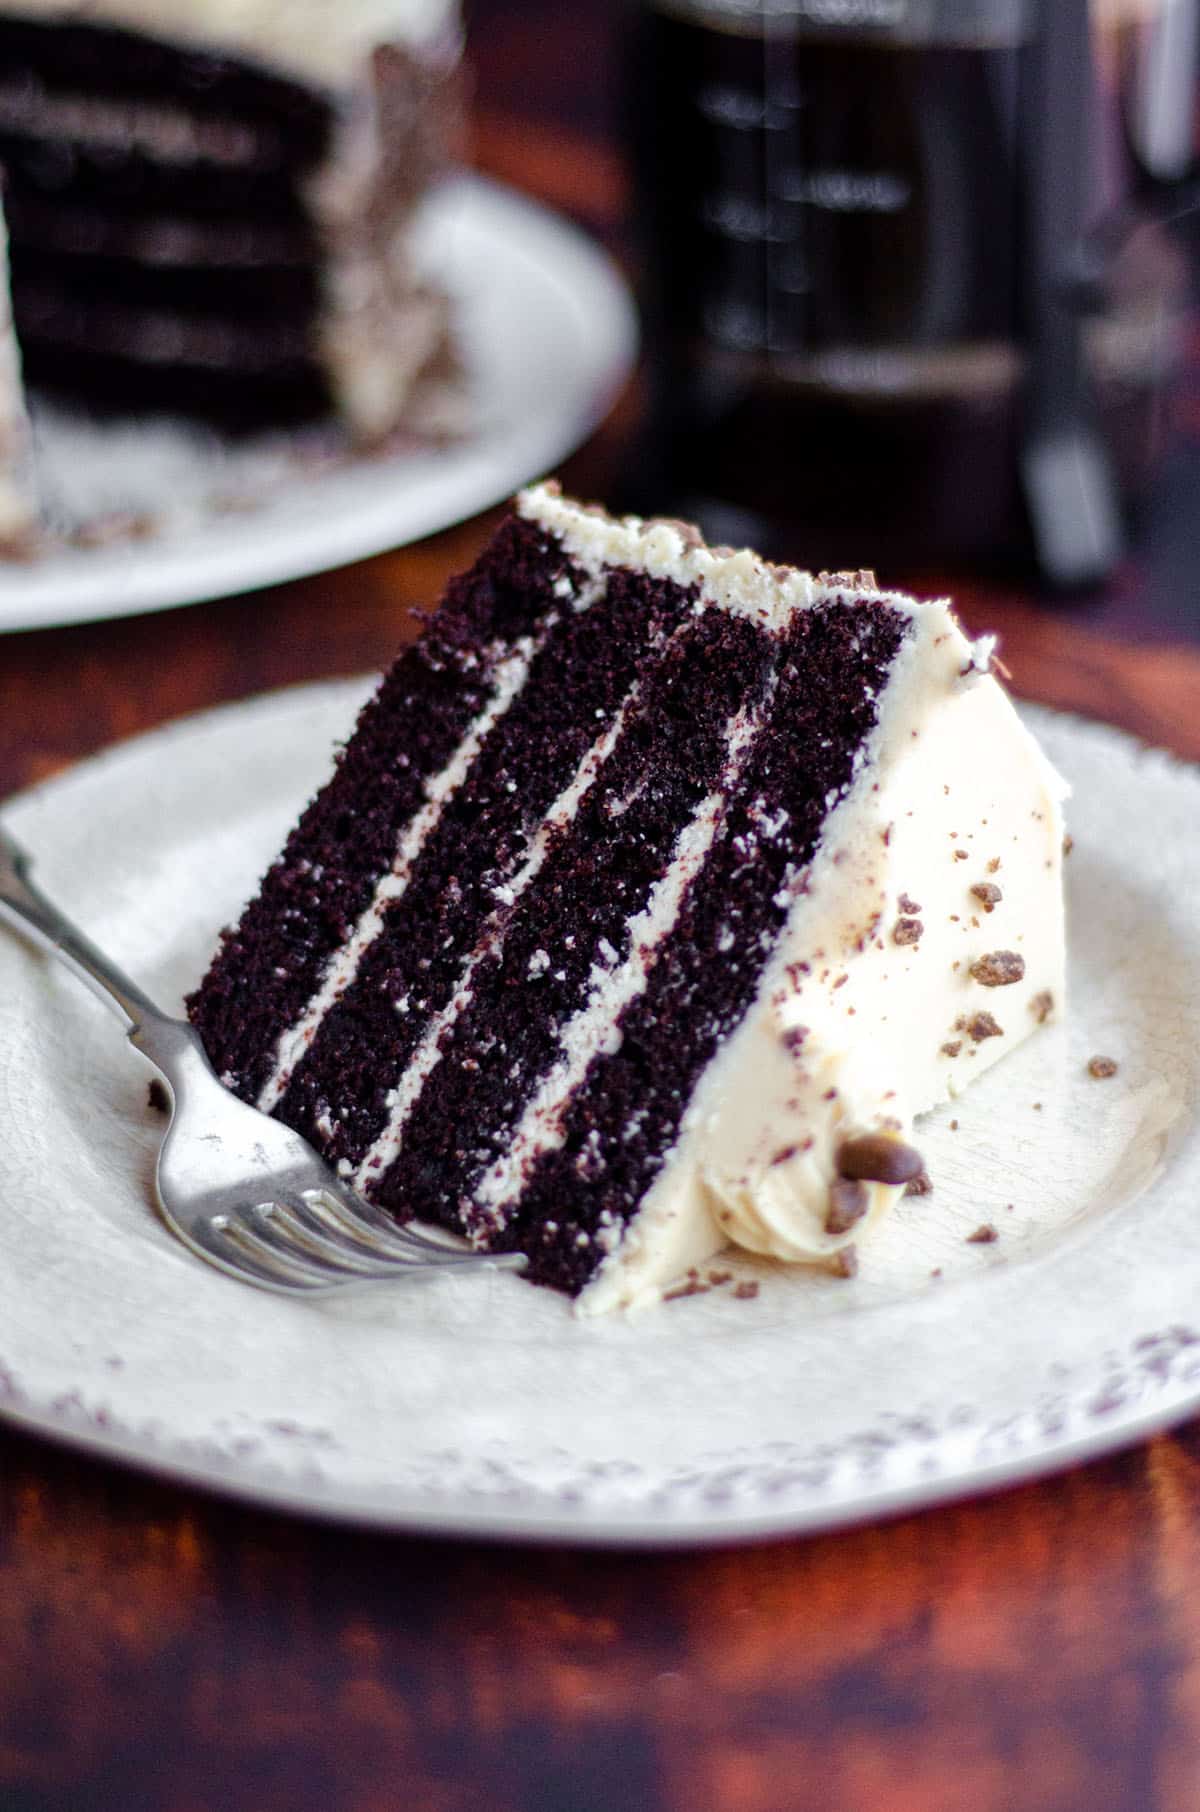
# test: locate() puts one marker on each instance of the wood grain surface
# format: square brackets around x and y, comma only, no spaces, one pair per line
[161,1651]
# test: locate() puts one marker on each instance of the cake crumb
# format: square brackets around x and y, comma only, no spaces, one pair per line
[691,1286]
[908,906]
[960,855]
[998,969]
[908,931]
[1042,1005]
[1068,844]
[984,1026]
[953,1048]
[1102,1067]
[845,1262]
[989,893]
[983,1236]
[745,1292]
[158,1098]
[718,1278]
[922,1185]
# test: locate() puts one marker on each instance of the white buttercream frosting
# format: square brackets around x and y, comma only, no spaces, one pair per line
[325,41]
[890,989]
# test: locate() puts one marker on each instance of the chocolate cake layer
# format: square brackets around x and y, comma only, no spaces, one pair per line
[107,386]
[260,298]
[271,966]
[585,670]
[131,66]
[576,919]
[624,1119]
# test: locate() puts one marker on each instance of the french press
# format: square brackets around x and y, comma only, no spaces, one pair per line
[905,298]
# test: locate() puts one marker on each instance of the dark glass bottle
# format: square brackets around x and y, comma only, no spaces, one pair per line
[834,202]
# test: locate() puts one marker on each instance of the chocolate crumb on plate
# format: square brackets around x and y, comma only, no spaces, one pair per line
[989,893]
[1042,1005]
[922,1185]
[718,1278]
[908,931]
[1068,844]
[999,969]
[157,1097]
[908,906]
[1102,1067]
[983,1236]
[845,1262]
[745,1292]
[691,1286]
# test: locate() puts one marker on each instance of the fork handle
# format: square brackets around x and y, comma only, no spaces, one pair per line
[23,904]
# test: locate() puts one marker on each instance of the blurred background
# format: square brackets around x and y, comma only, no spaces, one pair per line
[916,276]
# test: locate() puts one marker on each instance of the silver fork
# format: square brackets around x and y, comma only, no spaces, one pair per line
[240,1189]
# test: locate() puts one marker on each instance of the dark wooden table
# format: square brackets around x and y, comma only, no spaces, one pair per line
[161,1651]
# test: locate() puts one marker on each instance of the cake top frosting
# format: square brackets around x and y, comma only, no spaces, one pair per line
[316,40]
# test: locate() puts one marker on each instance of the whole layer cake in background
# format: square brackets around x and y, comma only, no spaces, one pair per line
[656,894]
[209,206]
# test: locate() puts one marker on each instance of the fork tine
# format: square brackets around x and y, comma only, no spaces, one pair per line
[258,1231]
[362,1217]
[327,1238]
[228,1255]
[250,1227]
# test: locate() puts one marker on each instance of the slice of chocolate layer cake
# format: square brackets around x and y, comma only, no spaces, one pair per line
[210,204]
[656,893]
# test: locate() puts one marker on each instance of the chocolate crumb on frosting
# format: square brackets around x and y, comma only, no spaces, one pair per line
[960,855]
[848,1202]
[953,1048]
[983,1236]
[908,931]
[908,906]
[878,1158]
[994,865]
[999,969]
[984,1026]
[1102,1067]
[989,893]
[1042,1005]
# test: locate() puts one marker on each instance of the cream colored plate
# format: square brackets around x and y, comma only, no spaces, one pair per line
[482,1405]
